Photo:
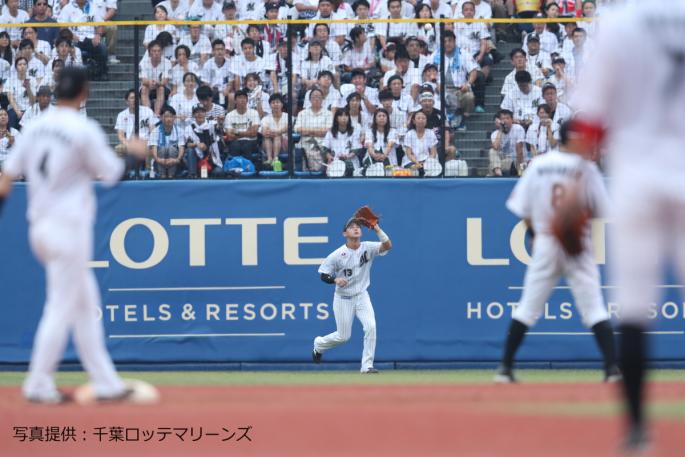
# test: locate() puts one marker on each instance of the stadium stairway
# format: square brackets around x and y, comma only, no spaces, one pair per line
[107,97]
[473,145]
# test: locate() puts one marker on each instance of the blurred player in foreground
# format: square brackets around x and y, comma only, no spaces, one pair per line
[61,152]
[635,108]
[535,199]
[349,268]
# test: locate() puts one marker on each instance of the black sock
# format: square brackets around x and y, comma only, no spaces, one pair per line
[604,335]
[517,331]
[632,360]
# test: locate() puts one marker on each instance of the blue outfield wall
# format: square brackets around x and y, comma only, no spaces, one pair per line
[226,271]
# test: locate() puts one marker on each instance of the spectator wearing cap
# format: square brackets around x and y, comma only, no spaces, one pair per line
[167,145]
[549,42]
[331,95]
[198,44]
[462,79]
[559,112]
[524,100]
[202,145]
[336,30]
[41,15]
[537,57]
[177,9]
[43,98]
[561,79]
[87,38]
[474,37]
[240,129]
[230,34]
[519,59]
[14,15]
[395,30]
[312,124]
[403,68]
[359,53]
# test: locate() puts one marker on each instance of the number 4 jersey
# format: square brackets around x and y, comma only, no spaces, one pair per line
[59,153]
[548,177]
[352,264]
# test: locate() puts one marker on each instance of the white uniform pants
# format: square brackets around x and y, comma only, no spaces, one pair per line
[71,307]
[648,231]
[344,310]
[548,264]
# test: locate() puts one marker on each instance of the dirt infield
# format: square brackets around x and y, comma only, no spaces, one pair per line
[414,420]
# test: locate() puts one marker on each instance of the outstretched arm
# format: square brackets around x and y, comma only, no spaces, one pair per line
[386,244]
[5,188]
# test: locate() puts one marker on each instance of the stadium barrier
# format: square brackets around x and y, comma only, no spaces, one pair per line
[226,271]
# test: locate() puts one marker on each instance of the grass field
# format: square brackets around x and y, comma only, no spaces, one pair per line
[560,413]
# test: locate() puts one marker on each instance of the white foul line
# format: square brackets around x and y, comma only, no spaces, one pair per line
[664,286]
[191,289]
[195,335]
[665,332]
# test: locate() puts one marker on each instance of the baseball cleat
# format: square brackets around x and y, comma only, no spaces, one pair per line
[612,375]
[316,356]
[504,375]
[370,370]
[637,441]
[57,398]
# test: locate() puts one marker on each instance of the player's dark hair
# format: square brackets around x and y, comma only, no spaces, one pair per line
[392,1]
[358,72]
[240,93]
[250,27]
[504,112]
[191,74]
[164,39]
[374,125]
[450,34]
[7,52]
[278,97]
[18,59]
[412,124]
[26,43]
[335,129]
[167,109]
[182,47]
[579,30]
[467,3]
[328,29]
[154,43]
[71,83]
[325,73]
[218,42]
[419,7]
[385,94]
[249,41]
[204,92]
[129,92]
[547,109]
[565,130]
[351,96]
[356,32]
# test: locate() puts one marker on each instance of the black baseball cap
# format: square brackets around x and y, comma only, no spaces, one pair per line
[352,220]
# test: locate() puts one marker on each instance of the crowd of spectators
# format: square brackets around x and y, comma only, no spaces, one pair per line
[215,96]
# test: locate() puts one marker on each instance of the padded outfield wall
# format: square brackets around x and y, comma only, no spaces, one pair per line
[226,271]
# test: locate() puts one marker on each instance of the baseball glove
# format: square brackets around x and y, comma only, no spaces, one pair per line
[366,217]
[568,223]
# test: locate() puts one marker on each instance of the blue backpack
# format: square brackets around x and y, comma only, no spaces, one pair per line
[239,162]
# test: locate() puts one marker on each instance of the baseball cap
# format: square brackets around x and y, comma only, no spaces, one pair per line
[228,6]
[548,86]
[350,221]
[271,6]
[426,96]
[558,60]
[533,37]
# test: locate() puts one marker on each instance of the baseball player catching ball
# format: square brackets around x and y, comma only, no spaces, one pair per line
[59,154]
[635,108]
[349,268]
[534,199]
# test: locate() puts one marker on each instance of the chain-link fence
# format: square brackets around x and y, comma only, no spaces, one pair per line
[308,98]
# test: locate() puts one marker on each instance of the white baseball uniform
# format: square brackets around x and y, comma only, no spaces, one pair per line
[59,153]
[352,300]
[534,198]
[641,102]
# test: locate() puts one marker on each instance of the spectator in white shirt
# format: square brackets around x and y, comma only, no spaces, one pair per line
[359,54]
[331,47]
[549,42]
[152,30]
[541,135]
[560,112]
[418,59]
[154,77]
[198,44]
[249,62]
[14,15]
[42,49]
[313,124]
[177,9]
[561,79]
[36,68]
[216,73]
[205,10]
[167,144]
[231,34]
[425,31]
[22,86]
[8,135]
[183,65]
[125,128]
[519,59]
[508,145]
[43,97]
[404,68]
[325,11]
[314,63]
[241,128]
[537,57]
[420,143]
[342,142]
[474,37]
[331,95]
[107,9]
[395,30]
[184,100]
[257,96]
[524,100]
[274,130]
[381,140]
[6,49]
[87,38]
